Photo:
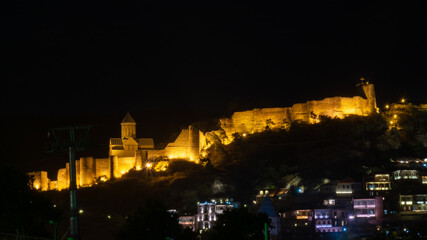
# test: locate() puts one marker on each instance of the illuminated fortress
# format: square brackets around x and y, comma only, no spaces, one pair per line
[129,152]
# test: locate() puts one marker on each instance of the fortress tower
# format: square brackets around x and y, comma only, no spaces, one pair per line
[193,143]
[369,91]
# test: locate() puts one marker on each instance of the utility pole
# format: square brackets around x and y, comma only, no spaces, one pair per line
[72,146]
[265,231]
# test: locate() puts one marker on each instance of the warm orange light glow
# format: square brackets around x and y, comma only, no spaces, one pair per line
[402,100]
[244,134]
[161,166]
[138,168]
[148,165]
[391,122]
[394,116]
[387,106]
[37,186]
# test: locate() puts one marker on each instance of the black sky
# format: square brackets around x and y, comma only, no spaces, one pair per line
[175,62]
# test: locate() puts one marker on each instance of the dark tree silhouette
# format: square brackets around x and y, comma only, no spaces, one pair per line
[238,224]
[22,210]
[153,221]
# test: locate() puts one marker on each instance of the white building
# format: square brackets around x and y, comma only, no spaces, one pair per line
[368,207]
[331,219]
[416,202]
[207,212]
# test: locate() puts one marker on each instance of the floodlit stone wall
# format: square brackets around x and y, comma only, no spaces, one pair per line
[62,179]
[124,164]
[185,146]
[87,171]
[260,119]
[102,167]
[40,180]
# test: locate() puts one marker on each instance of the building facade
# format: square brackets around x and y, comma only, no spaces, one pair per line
[207,212]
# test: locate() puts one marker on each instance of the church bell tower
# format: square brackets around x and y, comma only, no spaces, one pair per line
[128,127]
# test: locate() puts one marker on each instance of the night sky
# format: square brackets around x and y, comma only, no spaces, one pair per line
[171,63]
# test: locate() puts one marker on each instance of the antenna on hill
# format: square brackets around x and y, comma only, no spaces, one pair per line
[72,145]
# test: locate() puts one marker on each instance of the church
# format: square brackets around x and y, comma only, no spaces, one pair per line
[125,153]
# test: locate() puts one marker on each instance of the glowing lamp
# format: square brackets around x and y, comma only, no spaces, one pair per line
[148,165]
[402,100]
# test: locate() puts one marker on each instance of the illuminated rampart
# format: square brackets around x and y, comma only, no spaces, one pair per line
[260,119]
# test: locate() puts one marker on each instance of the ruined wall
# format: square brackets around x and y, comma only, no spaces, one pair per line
[53,185]
[102,168]
[186,145]
[62,179]
[40,180]
[122,165]
[87,171]
[258,120]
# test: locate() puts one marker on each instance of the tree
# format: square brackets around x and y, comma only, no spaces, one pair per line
[23,210]
[154,222]
[238,224]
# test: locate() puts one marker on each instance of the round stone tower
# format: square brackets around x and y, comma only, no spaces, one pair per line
[193,140]
[369,91]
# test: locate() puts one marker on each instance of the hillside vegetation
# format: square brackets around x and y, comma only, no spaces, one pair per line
[304,155]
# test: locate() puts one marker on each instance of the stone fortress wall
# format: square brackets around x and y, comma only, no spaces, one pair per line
[129,152]
[258,119]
